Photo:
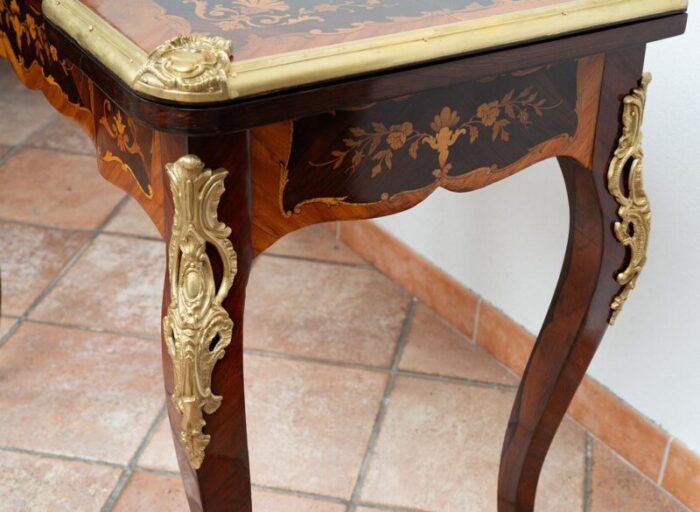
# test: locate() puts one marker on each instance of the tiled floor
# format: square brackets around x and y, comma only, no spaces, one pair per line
[359,399]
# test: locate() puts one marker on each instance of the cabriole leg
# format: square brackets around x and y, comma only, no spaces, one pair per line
[209,259]
[609,224]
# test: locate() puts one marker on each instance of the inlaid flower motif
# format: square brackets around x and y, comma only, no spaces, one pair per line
[398,135]
[121,132]
[489,112]
[30,34]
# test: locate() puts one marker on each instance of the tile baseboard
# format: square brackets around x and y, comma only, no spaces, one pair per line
[638,440]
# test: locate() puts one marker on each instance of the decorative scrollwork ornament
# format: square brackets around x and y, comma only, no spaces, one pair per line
[626,186]
[197,329]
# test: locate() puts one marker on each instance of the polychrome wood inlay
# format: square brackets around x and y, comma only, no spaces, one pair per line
[120,140]
[370,155]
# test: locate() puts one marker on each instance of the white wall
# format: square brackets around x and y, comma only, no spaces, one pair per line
[506,242]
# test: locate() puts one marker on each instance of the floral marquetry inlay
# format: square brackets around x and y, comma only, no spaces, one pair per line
[118,143]
[378,153]
[490,120]
[323,16]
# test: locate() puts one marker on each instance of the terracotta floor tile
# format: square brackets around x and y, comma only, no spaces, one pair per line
[21,111]
[68,193]
[439,450]
[315,242]
[78,393]
[327,311]
[682,476]
[132,220]
[63,134]
[149,492]
[29,258]
[160,452]
[431,285]
[620,488]
[272,502]
[619,426]
[309,424]
[435,347]
[35,484]
[117,284]
[503,338]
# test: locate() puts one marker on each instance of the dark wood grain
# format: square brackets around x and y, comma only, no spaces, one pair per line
[580,310]
[223,481]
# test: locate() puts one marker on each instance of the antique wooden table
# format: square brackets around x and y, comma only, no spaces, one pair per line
[235,122]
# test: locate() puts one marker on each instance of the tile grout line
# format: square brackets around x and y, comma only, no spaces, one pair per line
[310,359]
[634,469]
[42,225]
[299,494]
[664,461]
[363,266]
[132,466]
[379,369]
[59,456]
[458,380]
[383,406]
[390,508]
[56,227]
[588,474]
[19,146]
[100,330]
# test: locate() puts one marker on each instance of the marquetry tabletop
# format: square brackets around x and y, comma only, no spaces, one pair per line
[276,44]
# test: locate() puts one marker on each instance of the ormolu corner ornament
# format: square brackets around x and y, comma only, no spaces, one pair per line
[197,329]
[632,230]
[193,68]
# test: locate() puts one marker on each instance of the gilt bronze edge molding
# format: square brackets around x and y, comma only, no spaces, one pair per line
[302,67]
[625,184]
[197,328]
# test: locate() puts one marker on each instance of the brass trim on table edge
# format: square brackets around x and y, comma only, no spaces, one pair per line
[266,74]
[632,230]
[197,329]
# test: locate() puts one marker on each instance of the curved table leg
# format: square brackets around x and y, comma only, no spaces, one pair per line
[209,260]
[581,308]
